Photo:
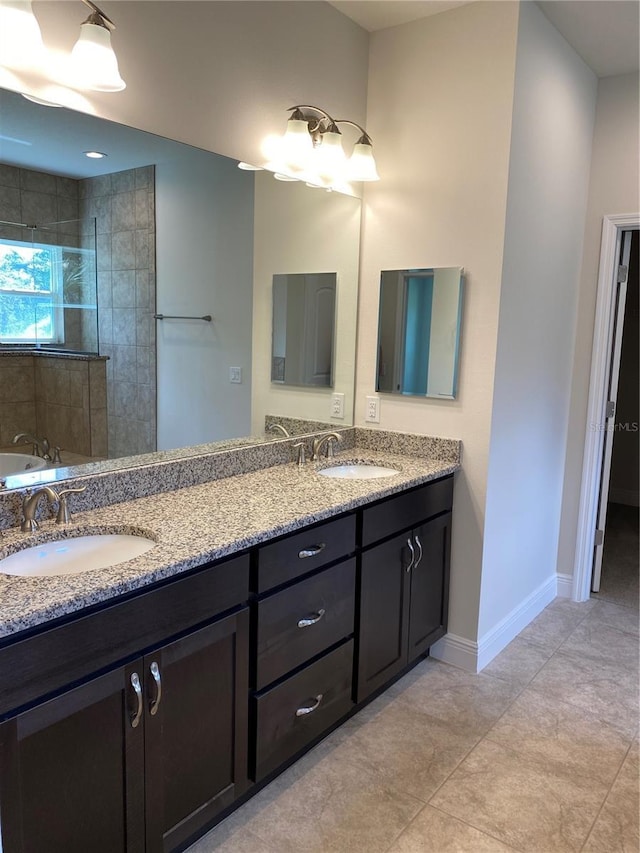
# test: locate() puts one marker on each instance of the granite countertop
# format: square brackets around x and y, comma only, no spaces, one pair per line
[195,525]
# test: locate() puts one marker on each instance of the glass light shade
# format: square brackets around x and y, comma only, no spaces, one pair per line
[296,146]
[93,62]
[329,159]
[20,39]
[362,166]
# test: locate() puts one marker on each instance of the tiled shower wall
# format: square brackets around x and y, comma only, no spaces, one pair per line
[123,205]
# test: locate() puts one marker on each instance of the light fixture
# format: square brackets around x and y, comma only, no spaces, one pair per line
[91,65]
[94,155]
[311,150]
[92,58]
[20,39]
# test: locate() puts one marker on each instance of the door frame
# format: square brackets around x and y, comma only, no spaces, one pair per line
[612,228]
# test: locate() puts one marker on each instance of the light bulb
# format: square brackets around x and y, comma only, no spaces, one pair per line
[93,62]
[20,39]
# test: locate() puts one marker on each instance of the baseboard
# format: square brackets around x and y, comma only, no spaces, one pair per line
[565,586]
[628,497]
[458,651]
[472,656]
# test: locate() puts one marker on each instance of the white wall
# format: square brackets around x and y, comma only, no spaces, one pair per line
[554,108]
[613,189]
[220,75]
[440,100]
[302,230]
[204,265]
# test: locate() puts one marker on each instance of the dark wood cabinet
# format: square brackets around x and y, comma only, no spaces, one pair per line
[404,586]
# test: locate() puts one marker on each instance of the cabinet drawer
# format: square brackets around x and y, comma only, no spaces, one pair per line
[406,510]
[305,551]
[56,657]
[300,622]
[291,715]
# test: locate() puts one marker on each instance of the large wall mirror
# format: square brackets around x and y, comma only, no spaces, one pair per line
[181,232]
[419,331]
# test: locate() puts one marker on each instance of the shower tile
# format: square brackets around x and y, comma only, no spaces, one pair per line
[9,176]
[123,211]
[142,208]
[142,289]
[123,250]
[124,327]
[142,249]
[125,369]
[143,329]
[144,177]
[105,326]
[39,182]
[105,289]
[67,187]
[124,288]
[38,208]
[103,252]
[125,400]
[122,182]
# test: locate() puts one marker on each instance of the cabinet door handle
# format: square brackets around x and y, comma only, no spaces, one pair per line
[136,716]
[154,669]
[419,544]
[309,709]
[311,620]
[312,551]
[413,554]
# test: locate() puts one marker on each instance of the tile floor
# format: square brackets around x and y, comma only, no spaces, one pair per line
[538,754]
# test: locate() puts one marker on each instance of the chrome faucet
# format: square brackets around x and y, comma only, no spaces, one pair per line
[273,427]
[39,446]
[330,439]
[30,503]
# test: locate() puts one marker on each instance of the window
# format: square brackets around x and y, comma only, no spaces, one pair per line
[30,293]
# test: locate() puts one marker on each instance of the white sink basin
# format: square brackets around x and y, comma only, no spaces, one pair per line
[72,556]
[357,471]
[18,463]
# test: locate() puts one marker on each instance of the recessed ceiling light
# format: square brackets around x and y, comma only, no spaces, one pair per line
[95,155]
[248,167]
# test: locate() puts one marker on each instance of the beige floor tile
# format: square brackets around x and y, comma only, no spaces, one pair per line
[563,737]
[465,702]
[601,642]
[626,619]
[519,802]
[519,662]
[616,829]
[556,622]
[609,692]
[239,841]
[406,748]
[432,831]
[328,804]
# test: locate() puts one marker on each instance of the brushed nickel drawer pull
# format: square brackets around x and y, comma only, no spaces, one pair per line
[413,554]
[154,669]
[309,709]
[135,718]
[311,620]
[313,551]
[419,544]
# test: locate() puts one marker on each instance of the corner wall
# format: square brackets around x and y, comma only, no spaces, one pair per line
[440,103]
[553,119]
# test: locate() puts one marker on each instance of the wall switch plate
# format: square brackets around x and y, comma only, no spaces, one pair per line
[372,412]
[235,375]
[337,405]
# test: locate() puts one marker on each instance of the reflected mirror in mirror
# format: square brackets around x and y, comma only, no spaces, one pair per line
[419,331]
[304,308]
[179,231]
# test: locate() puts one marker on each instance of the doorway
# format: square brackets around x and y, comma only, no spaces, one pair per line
[611,423]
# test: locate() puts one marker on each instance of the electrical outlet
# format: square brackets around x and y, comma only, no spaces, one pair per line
[235,375]
[372,412]
[337,405]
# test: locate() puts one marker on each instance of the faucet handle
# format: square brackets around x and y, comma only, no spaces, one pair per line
[64,516]
[55,455]
[332,440]
[302,456]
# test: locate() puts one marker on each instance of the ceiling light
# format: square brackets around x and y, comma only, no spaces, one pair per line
[311,150]
[94,155]
[20,39]
[247,167]
[93,61]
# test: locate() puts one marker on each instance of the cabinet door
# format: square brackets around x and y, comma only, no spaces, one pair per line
[196,705]
[71,772]
[429,585]
[384,614]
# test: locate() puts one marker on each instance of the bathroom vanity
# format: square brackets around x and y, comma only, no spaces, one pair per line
[136,722]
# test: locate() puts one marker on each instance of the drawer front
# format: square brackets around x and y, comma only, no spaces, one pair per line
[56,657]
[305,551]
[300,622]
[291,715]
[406,510]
